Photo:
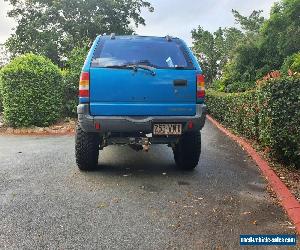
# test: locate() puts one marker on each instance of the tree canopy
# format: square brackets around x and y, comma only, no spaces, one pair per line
[214,49]
[53,28]
[251,23]
[242,55]
[280,34]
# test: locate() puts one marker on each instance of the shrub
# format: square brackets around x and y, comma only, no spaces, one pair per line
[296,63]
[279,118]
[31,87]
[71,80]
[260,73]
[1,106]
[244,63]
[270,114]
[235,110]
[218,85]
[239,87]
[291,63]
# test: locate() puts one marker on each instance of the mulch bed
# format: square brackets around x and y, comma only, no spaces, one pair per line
[63,127]
[288,174]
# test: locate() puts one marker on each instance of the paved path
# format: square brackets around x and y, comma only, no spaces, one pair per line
[135,200]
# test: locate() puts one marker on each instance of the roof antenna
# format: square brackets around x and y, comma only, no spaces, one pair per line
[169,38]
[112,36]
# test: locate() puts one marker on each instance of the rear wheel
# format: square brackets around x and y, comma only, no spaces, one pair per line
[187,151]
[86,149]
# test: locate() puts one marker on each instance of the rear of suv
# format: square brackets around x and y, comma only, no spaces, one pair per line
[138,91]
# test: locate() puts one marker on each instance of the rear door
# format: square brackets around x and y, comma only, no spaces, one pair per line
[168,88]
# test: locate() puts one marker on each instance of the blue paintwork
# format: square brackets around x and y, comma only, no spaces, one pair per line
[86,65]
[121,92]
[125,92]
[84,99]
[142,109]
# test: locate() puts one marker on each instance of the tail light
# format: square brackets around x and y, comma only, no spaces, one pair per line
[190,124]
[84,87]
[200,88]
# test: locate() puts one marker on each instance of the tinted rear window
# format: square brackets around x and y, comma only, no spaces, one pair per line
[157,53]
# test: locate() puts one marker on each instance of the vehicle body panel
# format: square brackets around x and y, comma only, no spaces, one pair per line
[125,92]
[131,101]
[138,92]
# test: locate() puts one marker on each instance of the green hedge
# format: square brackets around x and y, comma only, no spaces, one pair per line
[270,114]
[235,110]
[31,88]
[1,106]
[279,118]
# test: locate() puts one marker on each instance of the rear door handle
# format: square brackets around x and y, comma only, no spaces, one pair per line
[180,82]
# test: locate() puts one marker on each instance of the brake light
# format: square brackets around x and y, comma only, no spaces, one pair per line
[97,125]
[200,88]
[190,124]
[84,85]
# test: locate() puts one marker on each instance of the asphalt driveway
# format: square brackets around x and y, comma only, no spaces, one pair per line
[134,200]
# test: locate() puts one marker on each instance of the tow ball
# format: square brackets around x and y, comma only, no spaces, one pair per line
[139,144]
[146,145]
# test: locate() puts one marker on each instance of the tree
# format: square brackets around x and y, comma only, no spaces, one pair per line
[213,49]
[53,28]
[204,47]
[250,24]
[280,35]
[240,71]
[233,37]
[71,78]
[266,48]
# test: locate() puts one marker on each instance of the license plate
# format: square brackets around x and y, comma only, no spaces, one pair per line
[167,129]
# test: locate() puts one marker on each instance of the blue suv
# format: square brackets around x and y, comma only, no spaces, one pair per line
[138,91]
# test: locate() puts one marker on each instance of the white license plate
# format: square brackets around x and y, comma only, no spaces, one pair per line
[167,129]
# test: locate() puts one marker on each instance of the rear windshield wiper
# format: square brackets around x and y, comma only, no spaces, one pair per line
[145,67]
[133,66]
[180,67]
[143,64]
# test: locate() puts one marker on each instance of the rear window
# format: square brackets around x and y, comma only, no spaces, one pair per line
[156,53]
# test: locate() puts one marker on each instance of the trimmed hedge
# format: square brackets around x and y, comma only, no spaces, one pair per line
[270,114]
[1,106]
[279,118]
[31,88]
[237,111]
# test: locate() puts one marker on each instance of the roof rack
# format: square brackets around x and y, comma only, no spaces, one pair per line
[169,38]
[112,36]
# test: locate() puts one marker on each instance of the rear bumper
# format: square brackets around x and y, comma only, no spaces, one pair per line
[136,123]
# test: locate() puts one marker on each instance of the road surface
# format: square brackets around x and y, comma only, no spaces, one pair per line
[134,200]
